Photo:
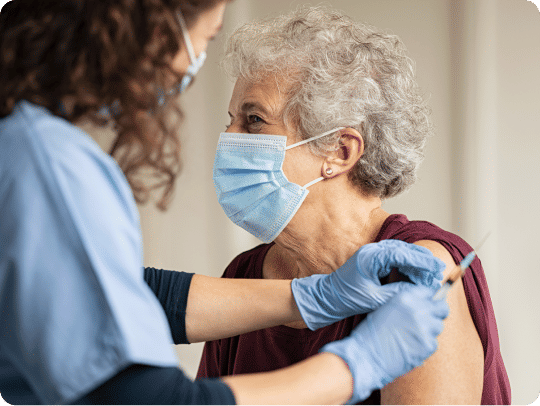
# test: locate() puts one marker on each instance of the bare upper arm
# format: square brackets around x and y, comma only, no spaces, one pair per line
[454,373]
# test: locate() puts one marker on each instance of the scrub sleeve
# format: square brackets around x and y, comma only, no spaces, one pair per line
[75,310]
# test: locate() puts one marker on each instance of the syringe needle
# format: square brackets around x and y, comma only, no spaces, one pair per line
[459,270]
[464,264]
[483,241]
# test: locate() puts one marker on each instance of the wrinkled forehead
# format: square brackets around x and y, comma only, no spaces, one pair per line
[269,91]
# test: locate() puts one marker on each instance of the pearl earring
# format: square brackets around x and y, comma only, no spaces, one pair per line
[329,171]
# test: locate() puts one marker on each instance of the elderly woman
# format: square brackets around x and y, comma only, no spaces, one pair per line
[348,91]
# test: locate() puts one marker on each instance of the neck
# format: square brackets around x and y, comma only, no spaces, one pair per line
[328,230]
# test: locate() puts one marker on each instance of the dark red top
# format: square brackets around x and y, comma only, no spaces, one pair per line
[278,347]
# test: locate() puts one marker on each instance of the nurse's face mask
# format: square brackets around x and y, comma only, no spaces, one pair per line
[195,63]
[251,186]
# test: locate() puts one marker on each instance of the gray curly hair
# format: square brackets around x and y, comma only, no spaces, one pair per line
[341,74]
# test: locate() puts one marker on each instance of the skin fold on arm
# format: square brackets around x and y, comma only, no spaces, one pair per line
[454,373]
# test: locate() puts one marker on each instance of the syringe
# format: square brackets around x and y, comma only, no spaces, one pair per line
[458,271]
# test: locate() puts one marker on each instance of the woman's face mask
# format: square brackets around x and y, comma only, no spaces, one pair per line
[250,183]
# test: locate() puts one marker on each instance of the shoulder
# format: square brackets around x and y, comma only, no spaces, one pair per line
[58,160]
[57,182]
[443,242]
[32,131]
[438,250]
[33,139]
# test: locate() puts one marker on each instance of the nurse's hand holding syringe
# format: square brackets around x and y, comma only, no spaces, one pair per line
[398,334]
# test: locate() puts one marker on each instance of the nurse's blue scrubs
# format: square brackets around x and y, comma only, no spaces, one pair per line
[75,309]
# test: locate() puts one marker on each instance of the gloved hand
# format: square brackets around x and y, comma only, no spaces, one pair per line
[392,340]
[355,288]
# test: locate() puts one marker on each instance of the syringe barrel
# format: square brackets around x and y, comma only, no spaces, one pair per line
[464,264]
[443,291]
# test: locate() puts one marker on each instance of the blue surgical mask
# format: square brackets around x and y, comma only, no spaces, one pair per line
[251,186]
[195,63]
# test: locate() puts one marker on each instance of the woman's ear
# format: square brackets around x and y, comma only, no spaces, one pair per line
[351,148]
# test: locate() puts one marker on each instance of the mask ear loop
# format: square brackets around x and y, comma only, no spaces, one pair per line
[187,40]
[314,138]
[312,183]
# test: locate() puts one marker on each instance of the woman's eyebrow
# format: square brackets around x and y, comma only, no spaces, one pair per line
[247,106]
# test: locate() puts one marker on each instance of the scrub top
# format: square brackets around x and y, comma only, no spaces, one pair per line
[74,307]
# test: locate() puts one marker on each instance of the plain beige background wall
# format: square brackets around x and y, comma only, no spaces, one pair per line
[478,61]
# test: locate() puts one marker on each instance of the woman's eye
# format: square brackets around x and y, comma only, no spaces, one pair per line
[254,119]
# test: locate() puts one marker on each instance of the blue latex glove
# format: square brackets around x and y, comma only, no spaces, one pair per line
[355,288]
[392,340]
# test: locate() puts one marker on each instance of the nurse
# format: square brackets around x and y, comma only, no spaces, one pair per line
[79,323]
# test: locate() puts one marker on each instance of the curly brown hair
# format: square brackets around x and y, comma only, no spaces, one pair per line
[74,57]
